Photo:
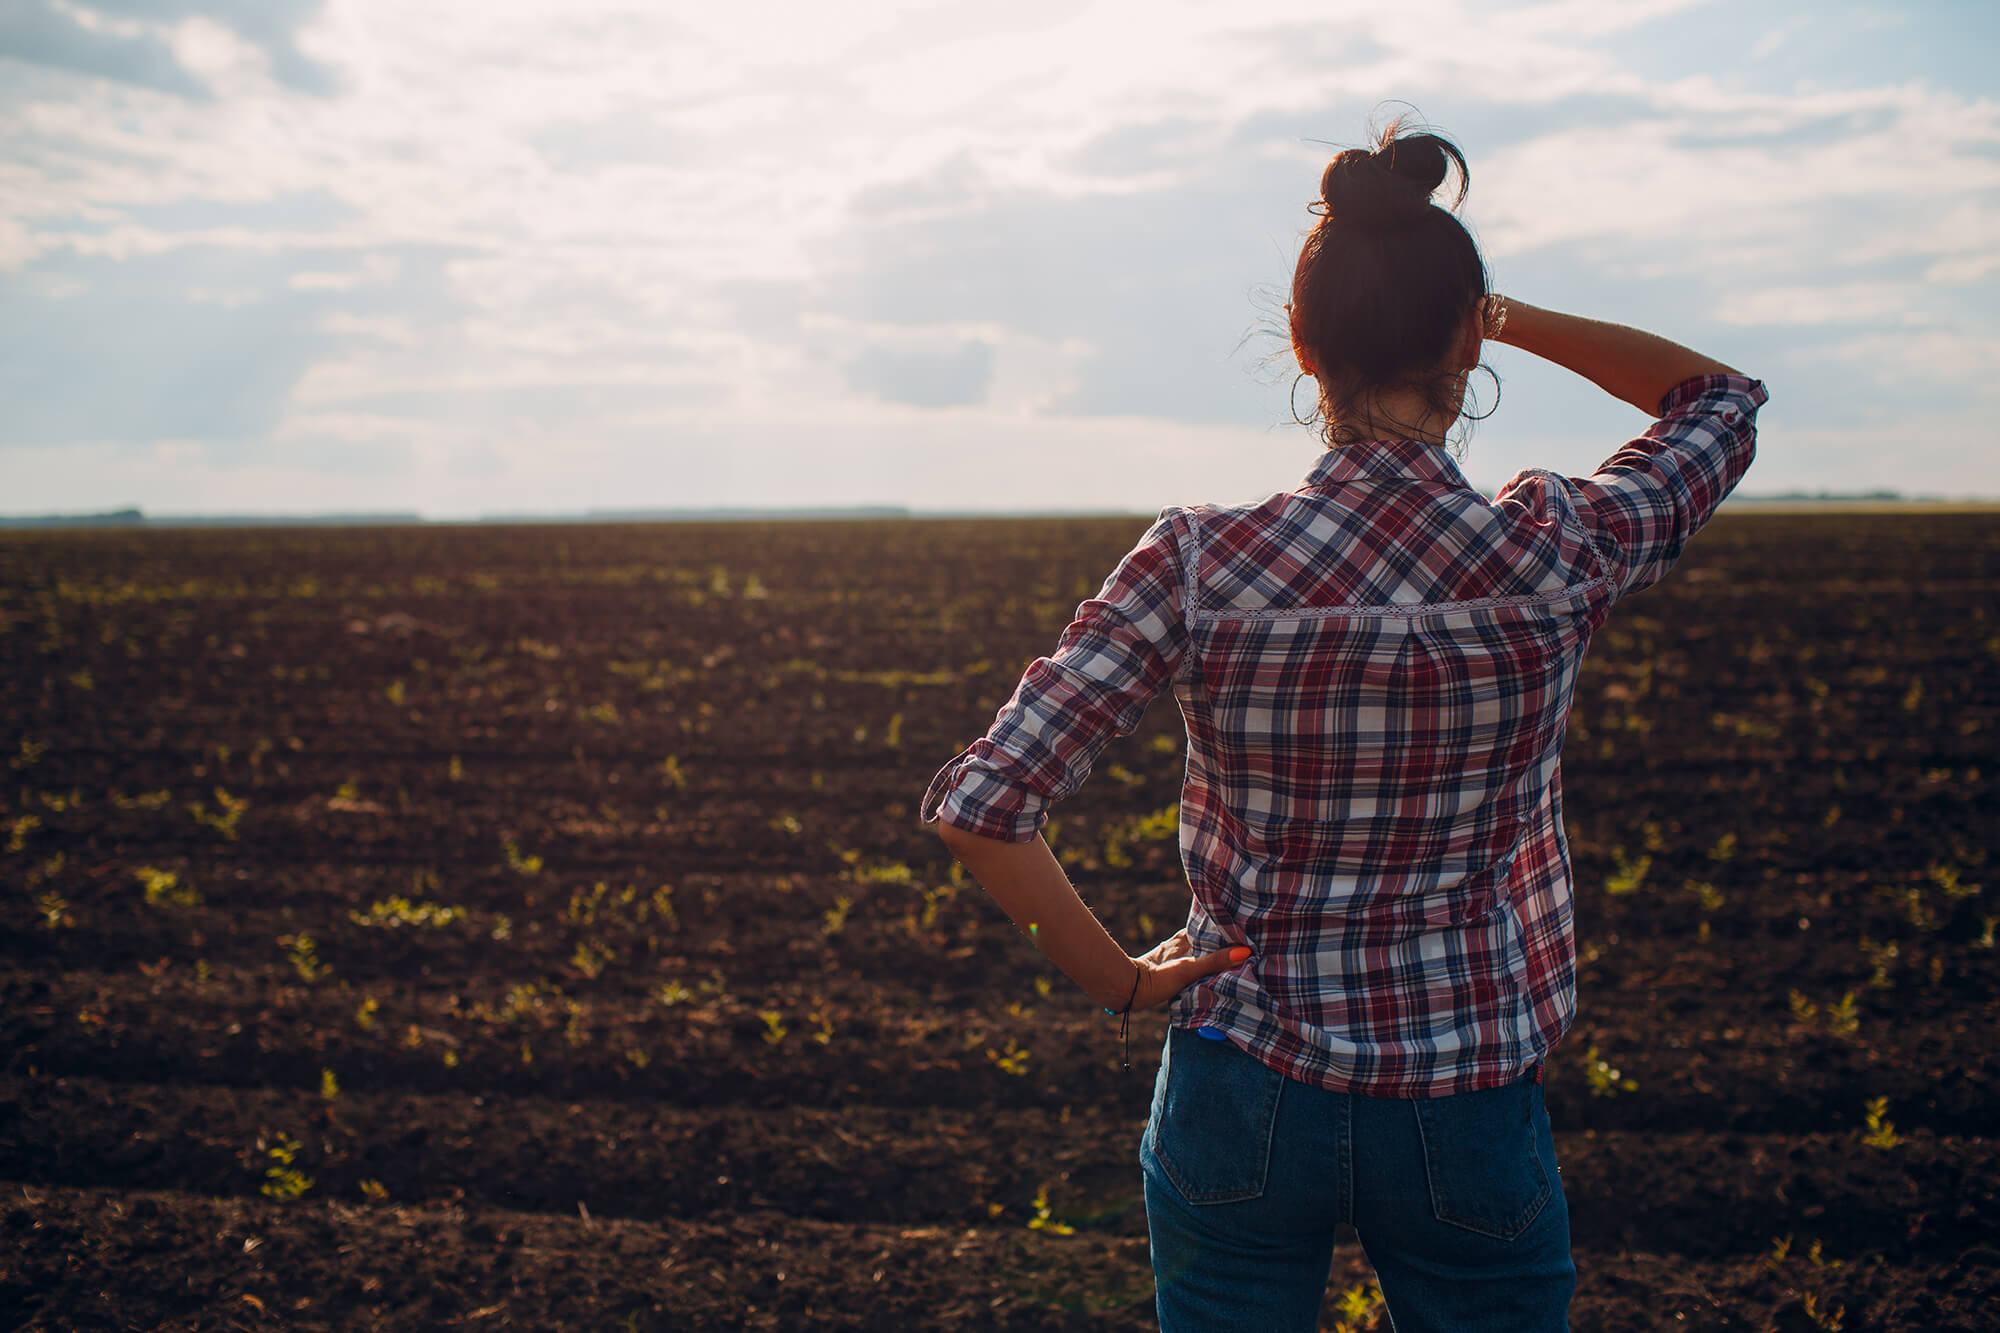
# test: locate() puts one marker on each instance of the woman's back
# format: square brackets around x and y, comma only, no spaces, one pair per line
[1376,671]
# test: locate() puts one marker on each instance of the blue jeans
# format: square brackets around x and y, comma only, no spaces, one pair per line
[1456,1199]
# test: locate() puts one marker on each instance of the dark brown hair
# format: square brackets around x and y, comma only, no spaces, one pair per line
[1386,278]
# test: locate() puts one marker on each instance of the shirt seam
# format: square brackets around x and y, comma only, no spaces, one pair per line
[1417,610]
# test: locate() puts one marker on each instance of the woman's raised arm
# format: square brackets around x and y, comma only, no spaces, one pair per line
[1630,364]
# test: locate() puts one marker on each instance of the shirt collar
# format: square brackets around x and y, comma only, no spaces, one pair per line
[1409,460]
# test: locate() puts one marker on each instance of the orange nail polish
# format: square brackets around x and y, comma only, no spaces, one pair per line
[1239,953]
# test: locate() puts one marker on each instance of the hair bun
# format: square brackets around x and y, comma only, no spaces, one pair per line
[1393,183]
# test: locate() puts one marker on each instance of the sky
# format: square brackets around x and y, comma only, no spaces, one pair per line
[308,256]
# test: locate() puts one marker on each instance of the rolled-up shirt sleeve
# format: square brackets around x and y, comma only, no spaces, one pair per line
[1121,651]
[1647,499]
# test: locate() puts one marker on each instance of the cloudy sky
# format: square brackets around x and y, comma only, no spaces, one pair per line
[533,255]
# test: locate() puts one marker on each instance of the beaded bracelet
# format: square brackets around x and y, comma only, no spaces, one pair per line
[1124,1017]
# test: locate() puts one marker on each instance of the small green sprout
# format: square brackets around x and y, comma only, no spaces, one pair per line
[516,862]
[774,1026]
[225,820]
[1706,894]
[1724,849]
[834,919]
[1605,1081]
[164,888]
[329,1086]
[1013,1060]
[1880,958]
[1946,877]
[671,993]
[364,1015]
[17,836]
[592,957]
[1841,1017]
[1881,1130]
[282,1181]
[1630,874]
[1360,1308]
[374,1191]
[396,910]
[55,911]
[1044,1220]
[303,953]
[1825,1320]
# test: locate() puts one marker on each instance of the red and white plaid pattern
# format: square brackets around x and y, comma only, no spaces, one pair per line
[1375,671]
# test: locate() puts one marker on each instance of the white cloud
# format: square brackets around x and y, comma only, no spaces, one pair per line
[661,219]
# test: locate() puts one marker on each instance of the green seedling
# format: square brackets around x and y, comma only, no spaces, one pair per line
[364,1014]
[18,831]
[1359,1309]
[1881,957]
[1946,877]
[1629,875]
[1724,849]
[302,951]
[1013,1060]
[1881,1130]
[1825,1320]
[774,1026]
[374,1191]
[282,1181]
[1605,1081]
[329,1086]
[55,912]
[834,919]
[1046,1221]
[1841,1017]
[224,820]
[592,957]
[1706,894]
[397,910]
[516,862]
[671,993]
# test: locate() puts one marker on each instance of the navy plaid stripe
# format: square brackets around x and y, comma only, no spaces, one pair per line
[1375,671]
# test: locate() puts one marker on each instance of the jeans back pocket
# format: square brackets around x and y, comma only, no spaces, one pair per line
[1215,1109]
[1482,1153]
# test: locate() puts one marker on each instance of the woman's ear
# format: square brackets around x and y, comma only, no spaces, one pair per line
[1298,347]
[1471,335]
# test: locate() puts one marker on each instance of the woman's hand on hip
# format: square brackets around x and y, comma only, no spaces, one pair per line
[1172,965]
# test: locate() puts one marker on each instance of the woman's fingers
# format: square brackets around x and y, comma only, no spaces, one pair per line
[1165,978]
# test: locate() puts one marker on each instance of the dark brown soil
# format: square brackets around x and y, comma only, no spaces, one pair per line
[743,1051]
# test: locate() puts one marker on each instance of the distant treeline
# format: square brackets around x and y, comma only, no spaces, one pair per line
[121,518]
[125,518]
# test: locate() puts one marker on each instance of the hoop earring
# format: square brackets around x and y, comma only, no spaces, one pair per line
[1293,402]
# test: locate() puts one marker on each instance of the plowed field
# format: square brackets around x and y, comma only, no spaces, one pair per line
[531,928]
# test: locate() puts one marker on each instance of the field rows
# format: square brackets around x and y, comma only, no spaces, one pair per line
[661,1010]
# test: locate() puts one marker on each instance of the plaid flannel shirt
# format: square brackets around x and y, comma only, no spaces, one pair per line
[1375,671]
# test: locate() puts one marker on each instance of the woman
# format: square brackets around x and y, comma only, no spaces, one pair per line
[1375,671]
